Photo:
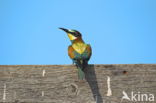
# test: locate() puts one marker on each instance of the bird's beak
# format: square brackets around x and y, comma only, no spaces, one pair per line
[66,30]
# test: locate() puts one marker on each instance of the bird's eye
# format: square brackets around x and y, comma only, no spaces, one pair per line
[76,34]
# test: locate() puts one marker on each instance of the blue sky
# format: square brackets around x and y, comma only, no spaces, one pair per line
[119,31]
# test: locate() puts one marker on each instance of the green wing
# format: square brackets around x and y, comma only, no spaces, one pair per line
[89,51]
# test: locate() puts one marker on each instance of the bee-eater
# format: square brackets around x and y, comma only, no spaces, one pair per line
[78,51]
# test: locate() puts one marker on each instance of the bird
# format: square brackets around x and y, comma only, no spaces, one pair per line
[78,51]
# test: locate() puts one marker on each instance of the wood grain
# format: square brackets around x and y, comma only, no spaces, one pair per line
[60,84]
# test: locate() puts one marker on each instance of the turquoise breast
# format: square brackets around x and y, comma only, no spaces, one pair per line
[82,56]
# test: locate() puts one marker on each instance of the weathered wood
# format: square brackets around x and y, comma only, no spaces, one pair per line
[59,83]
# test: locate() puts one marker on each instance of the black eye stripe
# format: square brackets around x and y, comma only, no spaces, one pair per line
[76,33]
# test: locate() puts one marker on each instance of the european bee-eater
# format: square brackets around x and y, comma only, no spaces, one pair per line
[78,51]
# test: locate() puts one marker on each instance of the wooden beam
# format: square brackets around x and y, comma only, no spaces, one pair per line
[60,84]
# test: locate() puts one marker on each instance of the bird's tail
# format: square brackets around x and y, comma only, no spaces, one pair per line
[81,74]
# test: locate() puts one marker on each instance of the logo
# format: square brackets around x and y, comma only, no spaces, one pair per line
[137,96]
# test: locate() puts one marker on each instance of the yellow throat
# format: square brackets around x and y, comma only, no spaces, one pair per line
[71,37]
[79,47]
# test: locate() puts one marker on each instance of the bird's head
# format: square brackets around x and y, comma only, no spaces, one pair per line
[72,34]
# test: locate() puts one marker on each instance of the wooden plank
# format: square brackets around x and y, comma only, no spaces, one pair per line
[59,84]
